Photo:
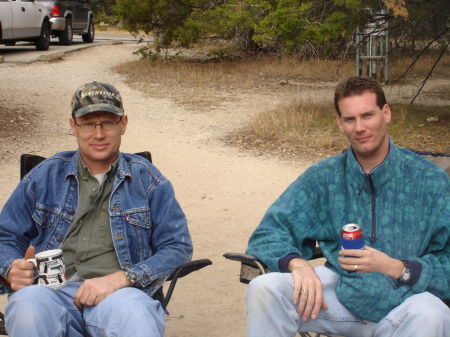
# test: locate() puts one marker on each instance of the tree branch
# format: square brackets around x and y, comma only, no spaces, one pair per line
[419,56]
[431,71]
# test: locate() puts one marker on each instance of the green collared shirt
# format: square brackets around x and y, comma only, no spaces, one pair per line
[88,248]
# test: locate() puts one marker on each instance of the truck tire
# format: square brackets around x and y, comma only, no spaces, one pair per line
[43,41]
[66,36]
[89,36]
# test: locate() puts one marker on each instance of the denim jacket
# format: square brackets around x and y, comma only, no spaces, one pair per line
[149,229]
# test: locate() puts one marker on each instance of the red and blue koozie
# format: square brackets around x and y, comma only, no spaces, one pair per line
[352,237]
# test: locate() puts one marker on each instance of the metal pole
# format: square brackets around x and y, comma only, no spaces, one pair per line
[367,54]
[374,56]
[386,58]
[381,41]
[358,52]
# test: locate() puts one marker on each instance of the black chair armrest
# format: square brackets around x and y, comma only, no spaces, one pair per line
[182,271]
[245,258]
[251,267]
[189,267]
[253,260]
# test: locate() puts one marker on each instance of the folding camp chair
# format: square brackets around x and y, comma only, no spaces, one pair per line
[251,267]
[28,161]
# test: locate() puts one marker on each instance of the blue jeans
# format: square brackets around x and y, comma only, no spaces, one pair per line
[271,312]
[42,311]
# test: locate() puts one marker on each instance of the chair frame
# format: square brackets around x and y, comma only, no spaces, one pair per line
[29,161]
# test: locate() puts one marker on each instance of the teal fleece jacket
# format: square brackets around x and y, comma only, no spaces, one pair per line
[403,207]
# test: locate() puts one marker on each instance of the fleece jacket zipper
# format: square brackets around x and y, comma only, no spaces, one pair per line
[373,236]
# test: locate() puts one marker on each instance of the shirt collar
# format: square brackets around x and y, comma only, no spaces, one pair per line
[85,174]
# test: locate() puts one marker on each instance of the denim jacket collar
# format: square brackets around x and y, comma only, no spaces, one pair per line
[123,169]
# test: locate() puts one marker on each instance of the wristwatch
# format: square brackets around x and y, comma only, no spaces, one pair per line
[406,272]
[131,276]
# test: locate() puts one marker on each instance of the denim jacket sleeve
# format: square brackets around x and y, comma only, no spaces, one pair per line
[16,227]
[38,212]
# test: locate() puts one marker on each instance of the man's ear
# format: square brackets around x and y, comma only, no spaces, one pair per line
[124,123]
[387,113]
[339,123]
[73,126]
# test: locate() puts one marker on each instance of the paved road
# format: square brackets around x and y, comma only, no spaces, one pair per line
[24,52]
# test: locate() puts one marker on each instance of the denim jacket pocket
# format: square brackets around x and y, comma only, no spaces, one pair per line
[46,217]
[140,219]
[140,232]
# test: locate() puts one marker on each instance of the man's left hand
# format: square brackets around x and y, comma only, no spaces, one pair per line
[93,291]
[370,260]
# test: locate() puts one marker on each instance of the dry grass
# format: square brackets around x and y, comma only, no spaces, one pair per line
[183,78]
[398,65]
[308,130]
[298,128]
[199,80]
[410,128]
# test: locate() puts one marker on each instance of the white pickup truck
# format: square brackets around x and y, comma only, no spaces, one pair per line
[24,20]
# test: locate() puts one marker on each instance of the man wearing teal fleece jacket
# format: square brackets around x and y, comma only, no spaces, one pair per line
[401,201]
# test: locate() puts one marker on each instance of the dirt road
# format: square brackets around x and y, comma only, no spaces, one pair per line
[224,192]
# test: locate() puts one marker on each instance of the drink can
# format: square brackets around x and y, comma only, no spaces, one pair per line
[352,237]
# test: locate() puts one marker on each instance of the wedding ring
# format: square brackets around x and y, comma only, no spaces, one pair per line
[356,266]
[304,292]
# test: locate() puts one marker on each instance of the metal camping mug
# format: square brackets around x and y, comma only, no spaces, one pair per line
[51,268]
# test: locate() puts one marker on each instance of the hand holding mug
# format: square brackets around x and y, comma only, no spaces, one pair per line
[21,273]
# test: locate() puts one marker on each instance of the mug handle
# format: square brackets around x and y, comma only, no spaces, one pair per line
[33,260]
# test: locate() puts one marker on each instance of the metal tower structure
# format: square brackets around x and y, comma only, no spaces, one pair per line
[372,48]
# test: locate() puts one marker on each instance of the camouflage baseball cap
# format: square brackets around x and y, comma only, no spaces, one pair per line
[96,96]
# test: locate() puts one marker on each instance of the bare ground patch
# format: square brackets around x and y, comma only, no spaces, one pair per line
[17,129]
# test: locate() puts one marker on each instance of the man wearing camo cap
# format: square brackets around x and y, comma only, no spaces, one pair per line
[116,219]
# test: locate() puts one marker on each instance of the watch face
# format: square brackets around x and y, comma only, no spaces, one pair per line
[406,275]
[132,276]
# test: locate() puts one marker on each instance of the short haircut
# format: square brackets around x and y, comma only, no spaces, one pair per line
[358,85]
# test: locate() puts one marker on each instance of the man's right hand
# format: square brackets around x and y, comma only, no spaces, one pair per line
[305,277]
[21,273]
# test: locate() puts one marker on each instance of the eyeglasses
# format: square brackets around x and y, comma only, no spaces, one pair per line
[90,127]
